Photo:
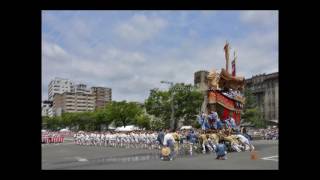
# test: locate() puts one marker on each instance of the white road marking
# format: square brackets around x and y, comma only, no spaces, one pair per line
[67,143]
[270,158]
[80,159]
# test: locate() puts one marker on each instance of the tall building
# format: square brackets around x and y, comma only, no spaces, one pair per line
[265,88]
[46,108]
[102,95]
[66,96]
[72,102]
[200,79]
[80,88]
[59,86]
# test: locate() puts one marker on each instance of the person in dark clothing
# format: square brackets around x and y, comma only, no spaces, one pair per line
[160,137]
[245,133]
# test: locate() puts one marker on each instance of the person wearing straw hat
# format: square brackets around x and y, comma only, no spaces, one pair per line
[169,142]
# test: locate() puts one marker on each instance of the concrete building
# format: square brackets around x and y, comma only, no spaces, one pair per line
[200,79]
[80,88]
[72,102]
[59,86]
[265,88]
[46,108]
[70,97]
[102,95]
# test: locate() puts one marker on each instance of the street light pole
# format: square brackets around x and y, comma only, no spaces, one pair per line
[172,112]
[172,105]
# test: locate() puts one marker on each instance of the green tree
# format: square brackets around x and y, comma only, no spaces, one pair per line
[251,112]
[143,121]
[251,101]
[187,102]
[45,120]
[156,123]
[253,115]
[68,119]
[54,123]
[85,120]
[158,104]
[123,113]
[101,118]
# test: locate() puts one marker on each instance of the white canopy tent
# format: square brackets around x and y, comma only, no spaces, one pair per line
[64,130]
[127,128]
[274,120]
[185,127]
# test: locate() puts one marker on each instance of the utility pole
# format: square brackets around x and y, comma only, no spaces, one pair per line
[172,121]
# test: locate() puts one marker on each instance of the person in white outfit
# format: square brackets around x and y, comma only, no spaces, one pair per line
[87,139]
[169,142]
[75,138]
[102,139]
[245,141]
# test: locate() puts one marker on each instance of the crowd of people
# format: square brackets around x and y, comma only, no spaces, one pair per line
[180,142]
[270,133]
[52,137]
[214,136]
[133,139]
[232,93]
[212,121]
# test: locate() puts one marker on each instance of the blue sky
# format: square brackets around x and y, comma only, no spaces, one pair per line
[132,51]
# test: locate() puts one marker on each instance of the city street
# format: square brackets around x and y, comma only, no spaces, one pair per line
[70,156]
[128,78]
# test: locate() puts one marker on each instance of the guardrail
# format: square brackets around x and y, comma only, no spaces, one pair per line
[48,140]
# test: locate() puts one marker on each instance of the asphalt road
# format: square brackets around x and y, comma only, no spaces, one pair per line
[70,156]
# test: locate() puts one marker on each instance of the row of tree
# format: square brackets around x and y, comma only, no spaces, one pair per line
[119,113]
[155,113]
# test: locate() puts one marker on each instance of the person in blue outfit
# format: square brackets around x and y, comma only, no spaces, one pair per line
[212,118]
[232,122]
[218,124]
[202,121]
[191,138]
[227,123]
[221,151]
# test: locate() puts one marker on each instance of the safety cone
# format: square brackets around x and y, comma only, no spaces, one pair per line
[253,155]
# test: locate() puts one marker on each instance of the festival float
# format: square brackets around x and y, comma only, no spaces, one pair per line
[225,91]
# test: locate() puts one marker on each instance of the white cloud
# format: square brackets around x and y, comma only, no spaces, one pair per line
[52,50]
[208,12]
[131,74]
[140,28]
[116,68]
[131,71]
[259,17]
